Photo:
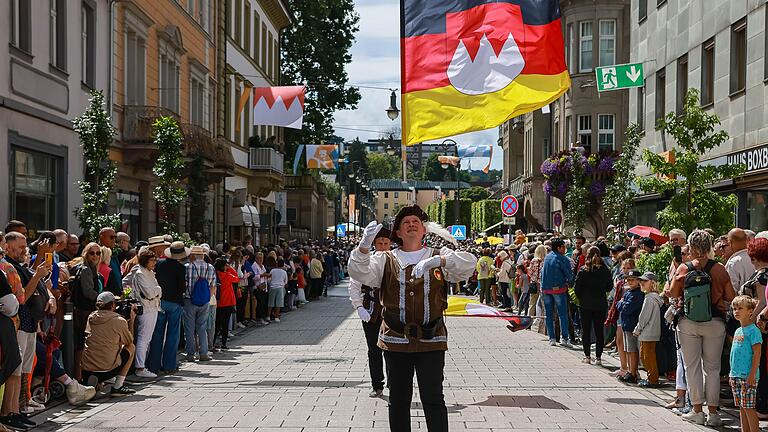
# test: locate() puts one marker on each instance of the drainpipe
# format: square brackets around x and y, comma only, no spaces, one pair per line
[111,57]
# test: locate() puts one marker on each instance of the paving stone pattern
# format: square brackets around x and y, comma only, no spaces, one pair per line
[308,374]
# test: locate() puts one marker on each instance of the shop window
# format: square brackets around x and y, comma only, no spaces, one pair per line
[35,180]
[757,210]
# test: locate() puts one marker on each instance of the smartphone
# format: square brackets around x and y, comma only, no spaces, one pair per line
[678,251]
[48,258]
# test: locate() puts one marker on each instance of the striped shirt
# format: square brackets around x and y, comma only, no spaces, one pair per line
[197,269]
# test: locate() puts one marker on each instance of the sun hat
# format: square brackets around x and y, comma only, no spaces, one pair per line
[155,241]
[177,250]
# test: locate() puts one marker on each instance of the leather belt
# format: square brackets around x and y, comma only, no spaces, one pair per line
[413,330]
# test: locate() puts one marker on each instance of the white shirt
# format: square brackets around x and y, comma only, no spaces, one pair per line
[369,269]
[739,268]
[279,278]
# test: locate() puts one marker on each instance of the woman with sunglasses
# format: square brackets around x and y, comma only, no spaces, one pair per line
[88,284]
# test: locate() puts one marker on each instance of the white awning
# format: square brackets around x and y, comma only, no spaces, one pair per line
[492,226]
[246,215]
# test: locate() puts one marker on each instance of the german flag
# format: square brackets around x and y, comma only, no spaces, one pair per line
[470,65]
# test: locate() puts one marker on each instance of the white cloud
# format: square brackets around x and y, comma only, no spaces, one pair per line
[374,69]
[379,20]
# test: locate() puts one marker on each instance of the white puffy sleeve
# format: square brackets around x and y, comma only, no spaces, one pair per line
[459,266]
[367,269]
[355,293]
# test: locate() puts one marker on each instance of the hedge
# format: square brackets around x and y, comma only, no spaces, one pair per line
[485,213]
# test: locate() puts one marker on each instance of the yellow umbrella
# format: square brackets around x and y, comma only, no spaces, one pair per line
[493,241]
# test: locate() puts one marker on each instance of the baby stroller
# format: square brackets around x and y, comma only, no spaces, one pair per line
[43,390]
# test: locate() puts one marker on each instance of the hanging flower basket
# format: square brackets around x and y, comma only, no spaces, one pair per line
[558,172]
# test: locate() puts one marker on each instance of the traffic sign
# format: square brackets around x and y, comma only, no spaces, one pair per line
[619,77]
[509,205]
[341,230]
[459,232]
[508,220]
[558,219]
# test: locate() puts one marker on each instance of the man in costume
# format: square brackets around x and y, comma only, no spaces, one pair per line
[365,300]
[413,294]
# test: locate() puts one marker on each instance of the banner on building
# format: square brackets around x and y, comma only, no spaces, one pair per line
[474,151]
[297,158]
[241,106]
[322,156]
[278,106]
[470,65]
[351,208]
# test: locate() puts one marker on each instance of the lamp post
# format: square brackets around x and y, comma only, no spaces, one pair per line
[456,162]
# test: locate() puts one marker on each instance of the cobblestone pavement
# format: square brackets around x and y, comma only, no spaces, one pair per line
[309,374]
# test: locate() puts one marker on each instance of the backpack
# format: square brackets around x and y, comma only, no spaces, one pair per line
[754,283]
[201,290]
[697,294]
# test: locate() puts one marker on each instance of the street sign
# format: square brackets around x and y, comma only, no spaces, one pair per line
[509,205]
[558,219]
[459,232]
[508,220]
[619,77]
[341,230]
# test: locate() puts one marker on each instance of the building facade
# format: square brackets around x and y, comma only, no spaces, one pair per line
[252,47]
[53,56]
[718,47]
[596,33]
[391,195]
[417,155]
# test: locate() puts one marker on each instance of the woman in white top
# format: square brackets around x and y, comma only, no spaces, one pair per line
[276,299]
[145,288]
[503,273]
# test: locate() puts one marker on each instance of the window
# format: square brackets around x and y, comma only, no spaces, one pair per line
[229,108]
[211,105]
[585,131]
[263,45]
[35,180]
[57,29]
[568,131]
[739,56]
[21,26]
[661,83]
[276,62]
[386,206]
[386,194]
[641,106]
[256,27]
[585,46]
[88,45]
[708,72]
[765,42]
[643,11]
[197,101]
[268,67]
[169,82]
[238,22]
[682,83]
[397,195]
[135,68]
[247,35]
[605,132]
[607,42]
[569,47]
[660,2]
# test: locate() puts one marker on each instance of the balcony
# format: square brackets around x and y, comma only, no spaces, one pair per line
[265,159]
[198,141]
[266,171]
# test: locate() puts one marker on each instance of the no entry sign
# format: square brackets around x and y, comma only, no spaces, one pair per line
[509,205]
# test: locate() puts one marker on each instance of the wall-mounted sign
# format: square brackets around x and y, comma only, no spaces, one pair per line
[754,159]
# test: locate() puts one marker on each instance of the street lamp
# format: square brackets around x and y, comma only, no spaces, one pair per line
[453,161]
[392,111]
[390,147]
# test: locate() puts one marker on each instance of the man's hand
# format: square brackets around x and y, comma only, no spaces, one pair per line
[42,271]
[51,306]
[369,233]
[363,314]
[636,333]
[752,379]
[425,266]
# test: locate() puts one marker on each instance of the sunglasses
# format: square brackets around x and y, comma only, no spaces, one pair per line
[94,253]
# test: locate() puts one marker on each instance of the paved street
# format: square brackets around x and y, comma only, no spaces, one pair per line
[308,374]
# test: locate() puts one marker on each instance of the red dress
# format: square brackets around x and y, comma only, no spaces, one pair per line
[228,279]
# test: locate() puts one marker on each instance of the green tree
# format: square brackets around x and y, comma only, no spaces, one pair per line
[692,205]
[198,186]
[169,167]
[94,128]
[619,196]
[432,170]
[315,51]
[475,193]
[577,198]
[383,166]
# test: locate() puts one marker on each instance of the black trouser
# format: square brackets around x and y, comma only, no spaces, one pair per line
[592,320]
[316,288]
[762,383]
[375,357]
[241,304]
[261,304]
[222,323]
[429,368]
[125,357]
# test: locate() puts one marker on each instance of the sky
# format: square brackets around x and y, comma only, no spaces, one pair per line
[376,63]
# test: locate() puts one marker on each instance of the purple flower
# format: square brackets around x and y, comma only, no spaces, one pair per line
[606,165]
[561,188]
[597,188]
[548,167]
[548,188]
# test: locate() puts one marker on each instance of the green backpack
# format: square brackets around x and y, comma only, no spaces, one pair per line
[697,294]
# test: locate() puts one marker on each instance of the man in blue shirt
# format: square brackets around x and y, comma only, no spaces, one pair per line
[556,276]
[108,239]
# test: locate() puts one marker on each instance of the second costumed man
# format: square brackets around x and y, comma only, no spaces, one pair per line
[413,293]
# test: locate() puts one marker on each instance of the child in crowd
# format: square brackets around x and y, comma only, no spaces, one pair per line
[629,312]
[614,319]
[745,362]
[276,298]
[521,283]
[291,290]
[648,328]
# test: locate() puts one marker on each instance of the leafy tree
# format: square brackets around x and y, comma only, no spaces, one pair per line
[620,196]
[691,205]
[319,62]
[383,166]
[169,167]
[577,200]
[432,170]
[475,193]
[198,186]
[96,133]
[357,154]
